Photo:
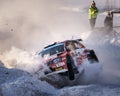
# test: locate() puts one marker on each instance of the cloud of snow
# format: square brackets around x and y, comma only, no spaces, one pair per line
[21,59]
[24,27]
[28,24]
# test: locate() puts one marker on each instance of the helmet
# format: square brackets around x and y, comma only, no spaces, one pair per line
[93,2]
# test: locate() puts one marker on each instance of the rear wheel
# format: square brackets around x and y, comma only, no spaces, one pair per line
[92,57]
[70,68]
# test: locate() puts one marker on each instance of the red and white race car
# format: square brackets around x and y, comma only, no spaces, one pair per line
[67,57]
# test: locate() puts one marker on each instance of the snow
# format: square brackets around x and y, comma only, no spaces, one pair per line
[15,82]
[90,90]
[26,86]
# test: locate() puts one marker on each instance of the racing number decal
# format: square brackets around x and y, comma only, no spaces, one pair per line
[78,57]
[79,60]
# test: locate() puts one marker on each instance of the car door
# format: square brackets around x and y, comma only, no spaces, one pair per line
[76,52]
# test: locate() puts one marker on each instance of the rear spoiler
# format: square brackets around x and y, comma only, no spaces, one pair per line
[50,45]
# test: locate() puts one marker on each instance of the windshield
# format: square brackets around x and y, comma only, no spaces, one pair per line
[53,50]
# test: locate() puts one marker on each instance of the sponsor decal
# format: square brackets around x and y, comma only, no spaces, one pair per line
[60,64]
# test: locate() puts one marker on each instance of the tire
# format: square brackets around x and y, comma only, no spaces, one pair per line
[70,68]
[93,56]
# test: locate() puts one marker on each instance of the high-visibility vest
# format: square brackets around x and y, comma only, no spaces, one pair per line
[93,12]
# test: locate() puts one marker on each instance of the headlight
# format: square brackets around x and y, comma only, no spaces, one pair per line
[57,60]
[54,61]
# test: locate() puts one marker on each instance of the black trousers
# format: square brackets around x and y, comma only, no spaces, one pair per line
[92,22]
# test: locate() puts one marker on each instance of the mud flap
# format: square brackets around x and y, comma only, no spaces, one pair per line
[70,68]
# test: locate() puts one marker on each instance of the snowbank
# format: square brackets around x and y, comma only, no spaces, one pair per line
[90,90]
[14,82]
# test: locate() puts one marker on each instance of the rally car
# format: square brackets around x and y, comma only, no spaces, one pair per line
[67,57]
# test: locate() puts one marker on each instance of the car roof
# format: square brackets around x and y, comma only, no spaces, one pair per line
[59,43]
[53,45]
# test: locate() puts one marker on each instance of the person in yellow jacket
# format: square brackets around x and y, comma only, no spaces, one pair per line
[93,12]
